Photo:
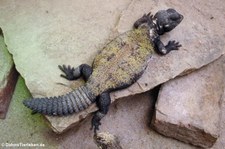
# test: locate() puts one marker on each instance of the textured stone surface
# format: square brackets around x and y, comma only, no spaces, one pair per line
[41,35]
[189,108]
[199,33]
[128,119]
[8,77]
[220,143]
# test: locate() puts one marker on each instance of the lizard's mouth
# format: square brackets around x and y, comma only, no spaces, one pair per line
[181,18]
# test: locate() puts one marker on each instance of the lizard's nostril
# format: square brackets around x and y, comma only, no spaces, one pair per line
[181,17]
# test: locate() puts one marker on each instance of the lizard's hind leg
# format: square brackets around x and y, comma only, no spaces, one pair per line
[72,73]
[103,103]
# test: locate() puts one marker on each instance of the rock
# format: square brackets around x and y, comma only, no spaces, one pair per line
[220,143]
[66,32]
[189,108]
[105,140]
[128,119]
[8,77]
[77,30]
[200,45]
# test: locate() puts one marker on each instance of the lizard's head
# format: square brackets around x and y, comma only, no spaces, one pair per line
[166,20]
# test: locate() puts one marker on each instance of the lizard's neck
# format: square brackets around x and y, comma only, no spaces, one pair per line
[153,30]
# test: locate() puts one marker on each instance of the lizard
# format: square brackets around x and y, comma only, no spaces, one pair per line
[118,65]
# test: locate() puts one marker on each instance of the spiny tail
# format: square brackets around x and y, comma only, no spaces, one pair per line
[72,102]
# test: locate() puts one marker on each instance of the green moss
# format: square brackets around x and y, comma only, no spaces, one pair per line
[20,125]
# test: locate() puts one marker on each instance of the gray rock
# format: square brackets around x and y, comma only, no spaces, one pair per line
[127,119]
[72,32]
[41,35]
[189,108]
[220,143]
[199,33]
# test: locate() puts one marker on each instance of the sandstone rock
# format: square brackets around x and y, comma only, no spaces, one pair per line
[128,119]
[8,77]
[65,32]
[189,108]
[199,34]
[220,143]
[77,30]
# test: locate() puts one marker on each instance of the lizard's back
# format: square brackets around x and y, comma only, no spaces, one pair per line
[121,61]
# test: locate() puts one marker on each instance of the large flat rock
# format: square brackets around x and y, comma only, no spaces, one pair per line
[8,77]
[189,108]
[71,32]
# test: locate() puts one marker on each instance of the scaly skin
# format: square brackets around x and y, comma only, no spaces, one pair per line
[121,62]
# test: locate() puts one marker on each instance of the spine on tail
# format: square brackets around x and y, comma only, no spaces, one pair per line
[72,102]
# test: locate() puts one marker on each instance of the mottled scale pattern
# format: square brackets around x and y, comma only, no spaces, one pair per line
[121,61]
[72,102]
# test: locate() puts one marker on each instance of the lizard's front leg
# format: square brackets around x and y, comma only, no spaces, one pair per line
[144,19]
[103,103]
[172,45]
[72,73]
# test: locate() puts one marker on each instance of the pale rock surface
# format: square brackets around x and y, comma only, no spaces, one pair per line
[41,35]
[220,143]
[127,119]
[189,107]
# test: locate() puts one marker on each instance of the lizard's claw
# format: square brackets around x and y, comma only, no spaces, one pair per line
[173,45]
[145,18]
[68,71]
[95,123]
[150,16]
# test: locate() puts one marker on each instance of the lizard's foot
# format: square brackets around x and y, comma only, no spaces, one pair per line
[68,71]
[103,103]
[72,73]
[95,123]
[150,16]
[173,45]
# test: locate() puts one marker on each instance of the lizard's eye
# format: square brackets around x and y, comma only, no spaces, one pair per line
[170,10]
